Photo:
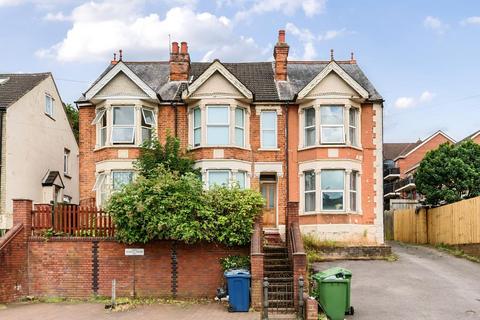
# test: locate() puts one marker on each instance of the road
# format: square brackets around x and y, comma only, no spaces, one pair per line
[423,284]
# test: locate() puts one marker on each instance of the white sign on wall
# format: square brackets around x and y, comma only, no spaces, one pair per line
[134,252]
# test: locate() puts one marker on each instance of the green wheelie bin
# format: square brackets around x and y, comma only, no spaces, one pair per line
[332,290]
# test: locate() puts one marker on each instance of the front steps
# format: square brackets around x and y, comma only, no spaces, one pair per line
[278,270]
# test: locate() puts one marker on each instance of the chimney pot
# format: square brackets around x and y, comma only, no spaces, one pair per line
[175,47]
[281,36]
[184,47]
[114,61]
[120,55]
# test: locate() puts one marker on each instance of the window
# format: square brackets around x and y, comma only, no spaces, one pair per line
[353,190]
[240,177]
[309,191]
[67,199]
[197,127]
[352,126]
[240,127]
[66,156]
[123,130]
[49,105]
[309,127]
[218,177]
[120,179]
[148,123]
[101,188]
[331,124]
[332,190]
[268,129]
[218,124]
[101,121]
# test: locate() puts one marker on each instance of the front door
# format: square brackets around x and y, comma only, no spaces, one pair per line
[269,192]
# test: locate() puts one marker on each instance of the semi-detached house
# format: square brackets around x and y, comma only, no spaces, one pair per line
[307,134]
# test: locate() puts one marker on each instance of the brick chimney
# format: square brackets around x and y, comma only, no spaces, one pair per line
[179,62]
[280,53]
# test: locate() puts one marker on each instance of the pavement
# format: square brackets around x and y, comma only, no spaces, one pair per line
[423,284]
[96,311]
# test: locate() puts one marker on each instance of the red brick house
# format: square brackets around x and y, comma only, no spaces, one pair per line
[401,161]
[307,134]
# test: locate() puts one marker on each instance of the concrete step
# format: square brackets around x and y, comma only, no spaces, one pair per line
[277,267]
[275,255]
[270,248]
[278,274]
[280,280]
[276,262]
[282,316]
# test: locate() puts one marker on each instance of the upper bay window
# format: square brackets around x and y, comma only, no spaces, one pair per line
[218,125]
[330,125]
[124,125]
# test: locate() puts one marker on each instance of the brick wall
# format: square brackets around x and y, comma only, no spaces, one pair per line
[65,267]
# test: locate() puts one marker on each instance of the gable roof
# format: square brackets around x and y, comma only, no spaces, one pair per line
[217,66]
[17,85]
[258,77]
[53,178]
[471,136]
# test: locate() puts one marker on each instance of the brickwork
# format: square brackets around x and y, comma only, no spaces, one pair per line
[87,136]
[354,252]
[311,308]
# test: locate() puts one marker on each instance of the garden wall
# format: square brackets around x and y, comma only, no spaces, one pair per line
[83,267]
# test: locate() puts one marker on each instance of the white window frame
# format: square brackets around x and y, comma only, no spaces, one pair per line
[244,173]
[195,128]
[305,127]
[240,127]
[353,126]
[218,125]
[353,175]
[150,124]
[342,125]
[219,170]
[66,160]
[49,105]
[133,126]
[305,191]
[112,174]
[275,130]
[333,190]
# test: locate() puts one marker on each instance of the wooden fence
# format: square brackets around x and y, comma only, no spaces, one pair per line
[456,223]
[71,220]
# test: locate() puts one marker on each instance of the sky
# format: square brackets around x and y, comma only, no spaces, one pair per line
[423,56]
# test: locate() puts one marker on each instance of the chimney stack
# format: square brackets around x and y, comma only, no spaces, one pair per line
[114,61]
[280,53]
[179,62]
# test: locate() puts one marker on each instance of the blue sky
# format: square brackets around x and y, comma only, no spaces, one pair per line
[422,56]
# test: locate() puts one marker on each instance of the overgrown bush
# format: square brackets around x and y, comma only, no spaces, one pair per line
[235,262]
[174,206]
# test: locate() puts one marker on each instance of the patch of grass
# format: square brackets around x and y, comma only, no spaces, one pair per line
[311,241]
[391,257]
[459,253]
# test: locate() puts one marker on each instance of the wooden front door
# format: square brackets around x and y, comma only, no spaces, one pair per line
[269,192]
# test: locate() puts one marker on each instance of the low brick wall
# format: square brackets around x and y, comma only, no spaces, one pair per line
[13,264]
[364,252]
[82,267]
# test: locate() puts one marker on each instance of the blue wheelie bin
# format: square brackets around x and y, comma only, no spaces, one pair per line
[238,286]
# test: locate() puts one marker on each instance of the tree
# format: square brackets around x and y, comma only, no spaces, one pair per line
[170,156]
[72,116]
[450,173]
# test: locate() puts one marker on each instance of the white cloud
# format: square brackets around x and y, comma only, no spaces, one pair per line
[435,24]
[471,21]
[308,38]
[59,16]
[100,28]
[288,7]
[410,102]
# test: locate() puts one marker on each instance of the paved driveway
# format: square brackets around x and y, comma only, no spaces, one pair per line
[96,311]
[422,284]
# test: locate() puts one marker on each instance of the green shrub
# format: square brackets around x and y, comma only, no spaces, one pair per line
[235,262]
[174,206]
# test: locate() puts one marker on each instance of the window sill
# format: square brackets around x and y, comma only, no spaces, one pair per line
[331,146]
[49,116]
[219,147]
[116,146]
[313,213]
[268,149]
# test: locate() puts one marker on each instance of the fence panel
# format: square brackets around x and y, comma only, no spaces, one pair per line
[456,223]
[72,220]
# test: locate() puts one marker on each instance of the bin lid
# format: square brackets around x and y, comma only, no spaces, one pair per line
[333,273]
[237,273]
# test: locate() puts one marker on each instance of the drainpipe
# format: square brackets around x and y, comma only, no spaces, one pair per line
[174,105]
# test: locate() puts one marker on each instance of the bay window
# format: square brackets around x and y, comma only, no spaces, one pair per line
[309,191]
[310,131]
[332,190]
[197,126]
[332,125]
[240,127]
[353,190]
[218,124]
[241,177]
[225,177]
[148,123]
[353,126]
[123,128]
[268,129]
[120,179]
